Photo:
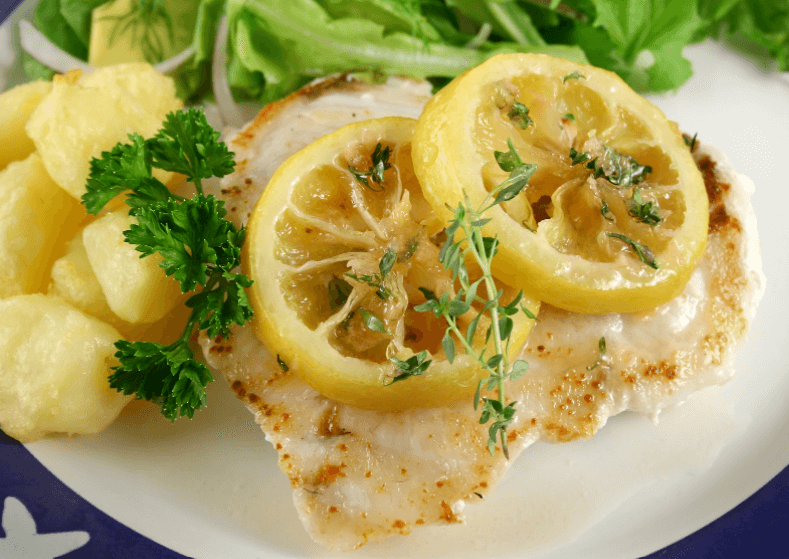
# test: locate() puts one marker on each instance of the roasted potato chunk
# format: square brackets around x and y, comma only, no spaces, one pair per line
[54,367]
[37,218]
[85,115]
[16,106]
[137,289]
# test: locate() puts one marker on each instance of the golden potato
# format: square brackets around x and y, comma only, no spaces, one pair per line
[85,115]
[137,289]
[54,364]
[16,105]
[37,218]
[74,281]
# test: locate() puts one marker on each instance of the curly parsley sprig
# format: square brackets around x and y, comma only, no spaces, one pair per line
[199,248]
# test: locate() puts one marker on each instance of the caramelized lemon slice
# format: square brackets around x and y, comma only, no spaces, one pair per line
[339,246]
[615,217]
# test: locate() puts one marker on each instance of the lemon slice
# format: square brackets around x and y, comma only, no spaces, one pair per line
[615,217]
[338,246]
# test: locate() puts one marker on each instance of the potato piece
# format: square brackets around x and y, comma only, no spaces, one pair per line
[86,115]
[137,289]
[74,281]
[16,105]
[54,364]
[37,218]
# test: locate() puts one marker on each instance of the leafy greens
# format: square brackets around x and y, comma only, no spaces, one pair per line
[276,46]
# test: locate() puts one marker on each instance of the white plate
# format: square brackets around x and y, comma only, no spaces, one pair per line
[211,488]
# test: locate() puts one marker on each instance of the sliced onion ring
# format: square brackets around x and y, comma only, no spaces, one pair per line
[228,109]
[37,45]
[47,53]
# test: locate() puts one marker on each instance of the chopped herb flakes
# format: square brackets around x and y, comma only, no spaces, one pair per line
[645,212]
[643,251]
[519,114]
[375,173]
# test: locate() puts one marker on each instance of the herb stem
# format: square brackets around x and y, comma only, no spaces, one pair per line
[477,248]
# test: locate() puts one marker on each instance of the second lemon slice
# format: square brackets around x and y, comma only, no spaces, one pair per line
[615,217]
[339,246]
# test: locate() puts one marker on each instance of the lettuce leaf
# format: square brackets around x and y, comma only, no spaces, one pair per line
[290,41]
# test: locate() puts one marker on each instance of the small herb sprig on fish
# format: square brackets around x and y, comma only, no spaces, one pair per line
[481,249]
[197,245]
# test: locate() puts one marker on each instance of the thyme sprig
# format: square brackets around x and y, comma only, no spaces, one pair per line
[491,393]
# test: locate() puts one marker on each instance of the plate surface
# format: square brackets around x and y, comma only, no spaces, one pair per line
[211,488]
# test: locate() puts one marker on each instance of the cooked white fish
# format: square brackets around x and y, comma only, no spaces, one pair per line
[360,476]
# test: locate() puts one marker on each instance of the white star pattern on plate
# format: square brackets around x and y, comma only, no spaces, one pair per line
[23,542]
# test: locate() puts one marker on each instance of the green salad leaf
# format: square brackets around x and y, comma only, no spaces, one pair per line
[277,46]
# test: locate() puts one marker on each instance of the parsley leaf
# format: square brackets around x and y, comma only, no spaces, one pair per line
[127,167]
[197,245]
[192,238]
[188,145]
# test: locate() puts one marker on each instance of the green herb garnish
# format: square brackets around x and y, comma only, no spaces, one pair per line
[282,364]
[373,322]
[339,291]
[374,173]
[519,114]
[414,366]
[377,280]
[643,251]
[690,142]
[601,355]
[645,212]
[617,168]
[606,211]
[481,249]
[520,173]
[573,76]
[197,245]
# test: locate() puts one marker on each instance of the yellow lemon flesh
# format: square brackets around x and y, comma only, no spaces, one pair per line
[615,217]
[318,243]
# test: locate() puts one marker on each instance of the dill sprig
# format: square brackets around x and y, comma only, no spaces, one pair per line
[491,393]
[142,18]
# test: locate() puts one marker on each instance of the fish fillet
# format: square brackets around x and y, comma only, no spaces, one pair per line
[360,476]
